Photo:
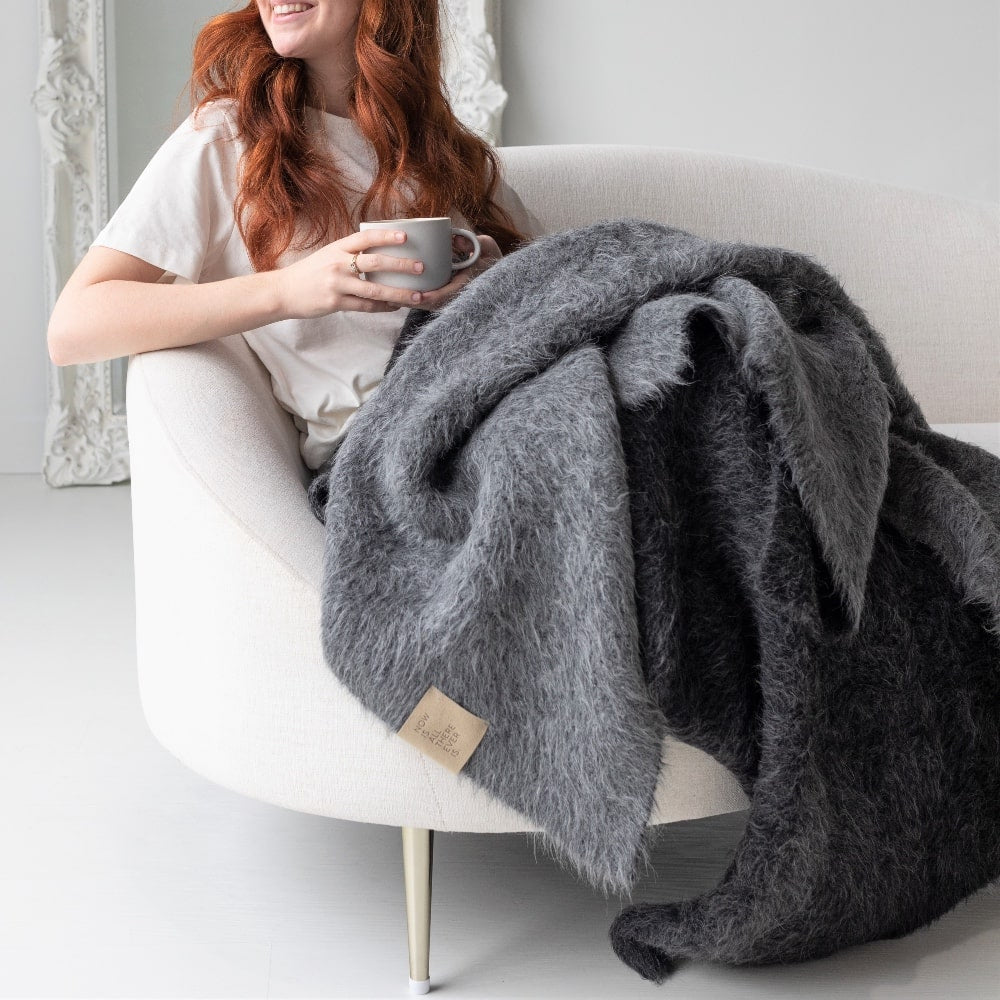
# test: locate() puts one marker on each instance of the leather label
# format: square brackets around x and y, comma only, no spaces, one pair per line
[442,729]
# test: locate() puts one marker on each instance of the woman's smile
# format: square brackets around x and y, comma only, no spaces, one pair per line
[284,13]
[319,31]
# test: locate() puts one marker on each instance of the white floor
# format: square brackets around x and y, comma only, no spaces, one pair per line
[124,874]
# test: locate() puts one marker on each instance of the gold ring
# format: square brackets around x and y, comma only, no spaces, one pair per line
[354,267]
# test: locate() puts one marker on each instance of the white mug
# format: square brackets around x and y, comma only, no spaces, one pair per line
[428,240]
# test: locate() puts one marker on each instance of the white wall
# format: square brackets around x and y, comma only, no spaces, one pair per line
[23,354]
[902,91]
[153,51]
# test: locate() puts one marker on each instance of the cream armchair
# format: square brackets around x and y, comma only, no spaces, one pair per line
[228,555]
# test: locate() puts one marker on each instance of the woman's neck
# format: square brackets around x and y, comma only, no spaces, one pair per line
[334,79]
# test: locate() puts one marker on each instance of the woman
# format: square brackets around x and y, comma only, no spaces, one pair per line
[307,118]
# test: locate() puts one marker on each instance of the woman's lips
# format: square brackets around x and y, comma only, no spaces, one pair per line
[285,18]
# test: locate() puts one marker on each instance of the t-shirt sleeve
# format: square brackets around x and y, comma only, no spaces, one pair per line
[179,213]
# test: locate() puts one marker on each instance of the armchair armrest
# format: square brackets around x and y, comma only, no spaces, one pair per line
[215,403]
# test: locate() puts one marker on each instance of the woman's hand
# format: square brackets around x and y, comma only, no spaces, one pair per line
[490,254]
[323,282]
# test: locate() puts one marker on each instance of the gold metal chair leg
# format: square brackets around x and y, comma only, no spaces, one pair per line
[418,854]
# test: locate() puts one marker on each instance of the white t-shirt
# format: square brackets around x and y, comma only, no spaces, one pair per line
[179,216]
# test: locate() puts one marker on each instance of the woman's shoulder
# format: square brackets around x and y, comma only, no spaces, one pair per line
[213,120]
[206,140]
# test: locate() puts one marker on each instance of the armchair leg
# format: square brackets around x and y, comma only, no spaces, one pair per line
[418,853]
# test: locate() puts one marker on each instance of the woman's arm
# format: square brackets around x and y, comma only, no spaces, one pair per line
[112,305]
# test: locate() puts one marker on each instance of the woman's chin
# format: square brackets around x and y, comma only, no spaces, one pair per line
[288,43]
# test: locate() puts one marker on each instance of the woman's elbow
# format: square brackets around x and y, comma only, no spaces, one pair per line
[59,339]
[65,338]
[54,339]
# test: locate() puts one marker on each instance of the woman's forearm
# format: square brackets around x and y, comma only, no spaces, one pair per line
[114,318]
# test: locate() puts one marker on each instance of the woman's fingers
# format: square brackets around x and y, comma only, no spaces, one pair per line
[363,294]
[387,262]
[372,290]
[358,304]
[365,239]
[365,244]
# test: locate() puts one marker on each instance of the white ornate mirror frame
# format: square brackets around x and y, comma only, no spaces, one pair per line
[86,439]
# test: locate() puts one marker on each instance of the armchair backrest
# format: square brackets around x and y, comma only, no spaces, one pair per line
[924,267]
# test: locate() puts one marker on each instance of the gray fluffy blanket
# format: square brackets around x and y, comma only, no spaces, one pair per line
[633,482]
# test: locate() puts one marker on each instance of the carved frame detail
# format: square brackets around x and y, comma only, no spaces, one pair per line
[86,434]
[472,64]
[86,440]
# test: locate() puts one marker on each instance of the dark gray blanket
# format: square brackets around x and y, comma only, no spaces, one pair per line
[633,482]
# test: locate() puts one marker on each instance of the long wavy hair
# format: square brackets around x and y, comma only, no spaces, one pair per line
[428,161]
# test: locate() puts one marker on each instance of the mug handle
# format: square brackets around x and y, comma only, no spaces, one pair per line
[475,253]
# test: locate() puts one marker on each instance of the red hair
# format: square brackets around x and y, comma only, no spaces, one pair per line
[397,101]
